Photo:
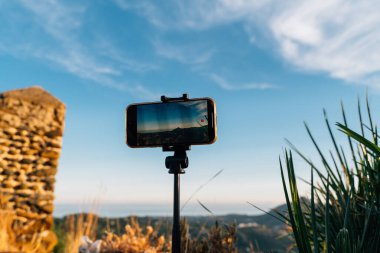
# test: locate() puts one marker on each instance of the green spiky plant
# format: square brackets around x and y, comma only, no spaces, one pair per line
[343,212]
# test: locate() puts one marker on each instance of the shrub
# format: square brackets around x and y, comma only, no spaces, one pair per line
[134,240]
[216,239]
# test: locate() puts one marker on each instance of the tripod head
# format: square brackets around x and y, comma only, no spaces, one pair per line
[178,162]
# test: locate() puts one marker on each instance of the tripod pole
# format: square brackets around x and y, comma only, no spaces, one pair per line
[176,232]
[176,165]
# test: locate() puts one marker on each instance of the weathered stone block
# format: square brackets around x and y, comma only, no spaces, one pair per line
[31,129]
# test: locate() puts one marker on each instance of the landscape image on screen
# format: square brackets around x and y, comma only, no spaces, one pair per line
[172,123]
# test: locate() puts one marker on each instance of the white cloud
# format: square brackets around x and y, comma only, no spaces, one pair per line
[337,37]
[221,82]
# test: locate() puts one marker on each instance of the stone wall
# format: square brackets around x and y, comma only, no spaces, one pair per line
[31,128]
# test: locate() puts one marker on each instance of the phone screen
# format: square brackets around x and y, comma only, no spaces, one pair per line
[172,123]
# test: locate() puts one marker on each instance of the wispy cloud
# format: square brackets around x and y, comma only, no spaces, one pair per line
[222,83]
[337,37]
[56,38]
[196,14]
[185,54]
[56,18]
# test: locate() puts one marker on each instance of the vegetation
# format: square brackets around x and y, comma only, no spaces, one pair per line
[343,213]
[16,240]
[216,239]
[135,239]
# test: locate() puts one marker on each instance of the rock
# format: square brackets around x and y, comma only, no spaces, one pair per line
[46,196]
[25,214]
[54,133]
[53,143]
[35,95]
[88,246]
[14,166]
[38,139]
[38,187]
[21,186]
[10,183]
[17,145]
[14,158]
[21,219]
[5,142]
[3,148]
[26,161]
[28,151]
[42,160]
[22,177]
[48,208]
[51,163]
[13,151]
[7,172]
[10,131]
[35,146]
[49,180]
[23,132]
[52,154]
[25,192]
[3,164]
[27,168]
[44,172]
[6,191]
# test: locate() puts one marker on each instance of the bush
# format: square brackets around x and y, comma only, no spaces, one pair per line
[343,213]
[216,239]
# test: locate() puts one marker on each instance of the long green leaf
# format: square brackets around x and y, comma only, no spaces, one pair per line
[327,219]
[296,202]
[368,144]
[313,216]
[288,204]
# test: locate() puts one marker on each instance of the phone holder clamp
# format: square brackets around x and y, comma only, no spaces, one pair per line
[184,97]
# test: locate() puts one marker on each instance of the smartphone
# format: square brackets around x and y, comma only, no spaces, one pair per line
[182,123]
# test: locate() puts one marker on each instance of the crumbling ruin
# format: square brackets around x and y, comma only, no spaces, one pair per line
[31,129]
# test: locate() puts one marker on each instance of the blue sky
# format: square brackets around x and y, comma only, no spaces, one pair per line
[269,66]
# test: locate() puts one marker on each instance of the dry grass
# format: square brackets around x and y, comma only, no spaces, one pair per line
[135,239]
[78,226]
[132,240]
[7,237]
[15,238]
